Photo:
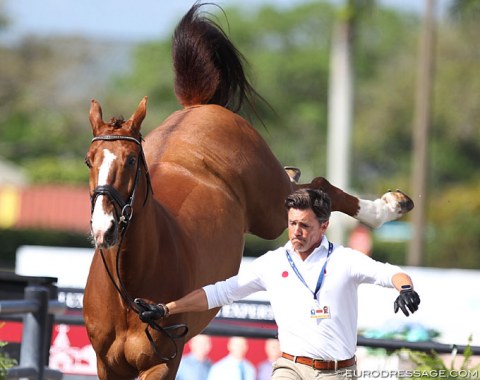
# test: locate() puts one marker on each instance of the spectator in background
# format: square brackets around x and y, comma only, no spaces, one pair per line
[272,349]
[196,364]
[361,239]
[234,366]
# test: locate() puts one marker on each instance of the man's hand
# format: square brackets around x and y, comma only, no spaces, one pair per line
[149,312]
[408,299]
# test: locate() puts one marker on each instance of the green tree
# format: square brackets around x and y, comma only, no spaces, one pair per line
[46,86]
[455,232]
[45,89]
[5,361]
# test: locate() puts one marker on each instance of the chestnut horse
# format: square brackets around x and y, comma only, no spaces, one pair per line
[170,215]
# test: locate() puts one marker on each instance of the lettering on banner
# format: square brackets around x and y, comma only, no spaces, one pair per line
[257,311]
[68,359]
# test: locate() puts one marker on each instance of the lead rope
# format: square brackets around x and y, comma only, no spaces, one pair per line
[121,289]
[127,213]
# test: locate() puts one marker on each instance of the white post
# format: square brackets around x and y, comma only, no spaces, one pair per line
[340,110]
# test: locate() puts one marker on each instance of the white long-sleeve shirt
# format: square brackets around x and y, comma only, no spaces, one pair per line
[324,328]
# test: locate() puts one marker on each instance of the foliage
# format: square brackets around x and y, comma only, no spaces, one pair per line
[3,19]
[44,98]
[12,239]
[453,215]
[453,231]
[46,85]
[389,252]
[255,247]
[58,169]
[430,365]
[152,76]
[289,55]
[5,361]
[465,10]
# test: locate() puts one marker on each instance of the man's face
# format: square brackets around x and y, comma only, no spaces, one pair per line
[305,231]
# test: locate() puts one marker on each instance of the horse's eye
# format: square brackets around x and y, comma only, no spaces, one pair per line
[131,161]
[88,163]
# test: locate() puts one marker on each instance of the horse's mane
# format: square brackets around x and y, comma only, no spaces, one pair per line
[208,67]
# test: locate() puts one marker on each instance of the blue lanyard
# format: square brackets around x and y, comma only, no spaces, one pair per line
[320,277]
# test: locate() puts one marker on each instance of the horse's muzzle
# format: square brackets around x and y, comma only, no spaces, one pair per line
[105,238]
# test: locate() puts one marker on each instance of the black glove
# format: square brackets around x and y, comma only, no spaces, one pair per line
[408,298]
[149,312]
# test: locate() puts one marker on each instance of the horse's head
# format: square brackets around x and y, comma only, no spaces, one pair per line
[115,160]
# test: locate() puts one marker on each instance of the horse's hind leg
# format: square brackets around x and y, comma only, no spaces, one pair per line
[391,206]
[341,201]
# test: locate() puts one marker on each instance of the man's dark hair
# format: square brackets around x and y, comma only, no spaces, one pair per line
[316,200]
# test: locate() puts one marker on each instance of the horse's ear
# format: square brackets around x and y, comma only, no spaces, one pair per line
[95,115]
[139,115]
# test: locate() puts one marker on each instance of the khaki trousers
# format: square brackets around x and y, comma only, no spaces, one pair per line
[284,369]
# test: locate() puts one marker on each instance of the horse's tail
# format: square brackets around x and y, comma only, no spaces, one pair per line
[208,68]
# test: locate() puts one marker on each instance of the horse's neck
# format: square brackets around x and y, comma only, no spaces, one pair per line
[145,231]
[151,242]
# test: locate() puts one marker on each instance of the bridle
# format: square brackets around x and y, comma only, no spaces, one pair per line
[126,214]
[108,190]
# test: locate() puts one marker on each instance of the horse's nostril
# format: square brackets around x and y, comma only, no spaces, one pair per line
[106,236]
[111,235]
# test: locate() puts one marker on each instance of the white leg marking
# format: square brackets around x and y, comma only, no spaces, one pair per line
[377,212]
[101,221]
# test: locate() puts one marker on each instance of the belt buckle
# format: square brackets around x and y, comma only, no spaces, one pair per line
[315,361]
[327,363]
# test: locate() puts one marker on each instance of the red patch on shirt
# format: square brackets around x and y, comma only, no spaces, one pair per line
[285,274]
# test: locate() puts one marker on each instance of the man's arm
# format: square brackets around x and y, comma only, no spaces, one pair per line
[194,301]
[220,293]
[400,279]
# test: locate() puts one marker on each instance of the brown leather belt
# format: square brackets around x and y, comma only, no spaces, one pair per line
[327,365]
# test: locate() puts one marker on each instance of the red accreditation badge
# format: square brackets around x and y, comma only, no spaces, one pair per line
[320,312]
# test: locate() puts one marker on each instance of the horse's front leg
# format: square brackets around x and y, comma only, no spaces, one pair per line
[104,372]
[162,371]
[391,206]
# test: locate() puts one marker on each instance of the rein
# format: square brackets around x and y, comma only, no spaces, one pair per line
[126,215]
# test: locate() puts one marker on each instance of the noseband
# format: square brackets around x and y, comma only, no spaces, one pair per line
[126,208]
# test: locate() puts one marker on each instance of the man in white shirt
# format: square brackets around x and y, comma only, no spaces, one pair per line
[312,287]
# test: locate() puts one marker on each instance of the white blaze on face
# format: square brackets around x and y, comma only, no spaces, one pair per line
[101,221]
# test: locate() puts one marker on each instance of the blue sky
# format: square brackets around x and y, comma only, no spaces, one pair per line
[121,19]
[133,20]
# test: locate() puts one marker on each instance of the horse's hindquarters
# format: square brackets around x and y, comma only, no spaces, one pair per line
[211,147]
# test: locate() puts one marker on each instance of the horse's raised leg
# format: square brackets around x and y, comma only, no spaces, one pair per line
[391,206]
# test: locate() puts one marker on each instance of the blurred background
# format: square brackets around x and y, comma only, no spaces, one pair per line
[373,95]
[58,55]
